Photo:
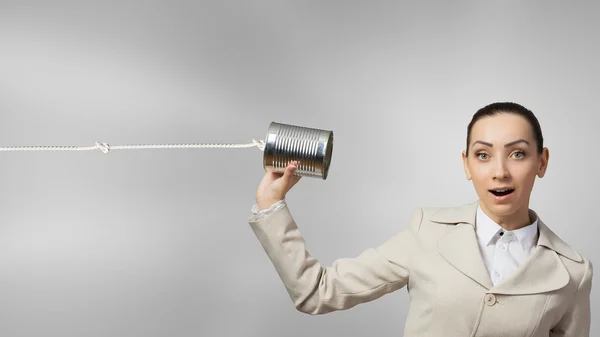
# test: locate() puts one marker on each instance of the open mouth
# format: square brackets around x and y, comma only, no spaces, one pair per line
[502,192]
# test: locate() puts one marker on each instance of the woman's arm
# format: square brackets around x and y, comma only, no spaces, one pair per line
[316,289]
[576,321]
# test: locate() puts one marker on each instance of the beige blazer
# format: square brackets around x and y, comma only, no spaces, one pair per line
[437,258]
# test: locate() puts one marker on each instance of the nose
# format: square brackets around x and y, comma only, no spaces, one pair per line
[501,170]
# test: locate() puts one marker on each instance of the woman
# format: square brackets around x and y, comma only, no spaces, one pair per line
[488,268]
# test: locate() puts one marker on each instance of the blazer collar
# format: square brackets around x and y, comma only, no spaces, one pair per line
[543,271]
[466,214]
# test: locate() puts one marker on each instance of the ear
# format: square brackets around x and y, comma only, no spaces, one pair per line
[543,162]
[466,165]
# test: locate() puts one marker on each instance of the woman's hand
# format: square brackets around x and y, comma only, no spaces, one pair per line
[274,186]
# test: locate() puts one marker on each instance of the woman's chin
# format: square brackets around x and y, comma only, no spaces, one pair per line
[501,207]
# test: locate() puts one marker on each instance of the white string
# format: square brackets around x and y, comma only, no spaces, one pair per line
[105,148]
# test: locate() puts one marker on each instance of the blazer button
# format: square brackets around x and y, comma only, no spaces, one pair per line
[490,299]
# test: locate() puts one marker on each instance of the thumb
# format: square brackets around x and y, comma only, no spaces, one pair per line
[288,174]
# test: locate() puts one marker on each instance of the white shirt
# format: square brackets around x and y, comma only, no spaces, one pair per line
[502,251]
[263,213]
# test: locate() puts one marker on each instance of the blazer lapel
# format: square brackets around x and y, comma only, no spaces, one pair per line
[543,271]
[459,246]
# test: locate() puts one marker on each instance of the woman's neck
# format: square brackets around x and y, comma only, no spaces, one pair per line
[510,222]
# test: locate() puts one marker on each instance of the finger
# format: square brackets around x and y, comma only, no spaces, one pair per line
[289,173]
[293,180]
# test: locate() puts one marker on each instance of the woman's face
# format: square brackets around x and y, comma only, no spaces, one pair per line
[503,164]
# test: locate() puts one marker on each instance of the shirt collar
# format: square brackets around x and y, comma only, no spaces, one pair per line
[487,230]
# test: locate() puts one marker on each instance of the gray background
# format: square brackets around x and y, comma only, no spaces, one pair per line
[156,243]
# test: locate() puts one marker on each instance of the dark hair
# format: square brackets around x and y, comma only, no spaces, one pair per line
[508,108]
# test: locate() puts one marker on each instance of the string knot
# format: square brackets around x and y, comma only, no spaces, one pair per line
[104,147]
[259,143]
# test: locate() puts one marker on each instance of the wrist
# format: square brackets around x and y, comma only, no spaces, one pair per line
[263,204]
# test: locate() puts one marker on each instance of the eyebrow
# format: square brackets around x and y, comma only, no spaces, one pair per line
[505,145]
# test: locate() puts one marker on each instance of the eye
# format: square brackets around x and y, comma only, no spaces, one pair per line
[518,154]
[482,156]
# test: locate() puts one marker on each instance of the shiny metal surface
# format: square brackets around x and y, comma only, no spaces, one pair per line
[312,148]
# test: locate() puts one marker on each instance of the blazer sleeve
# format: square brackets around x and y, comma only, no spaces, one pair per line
[317,289]
[577,320]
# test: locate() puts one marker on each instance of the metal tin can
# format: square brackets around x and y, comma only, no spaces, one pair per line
[312,148]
